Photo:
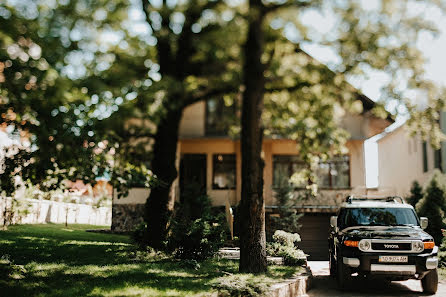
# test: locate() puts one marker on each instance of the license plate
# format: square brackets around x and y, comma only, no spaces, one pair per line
[393,259]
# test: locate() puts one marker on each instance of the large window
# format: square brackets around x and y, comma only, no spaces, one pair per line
[333,174]
[437,160]
[224,172]
[219,117]
[425,164]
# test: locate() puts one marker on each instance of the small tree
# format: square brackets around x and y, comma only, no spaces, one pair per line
[433,206]
[416,194]
[287,218]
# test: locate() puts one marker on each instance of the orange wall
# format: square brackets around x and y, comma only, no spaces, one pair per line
[270,147]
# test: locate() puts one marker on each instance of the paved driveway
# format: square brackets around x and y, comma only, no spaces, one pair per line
[324,285]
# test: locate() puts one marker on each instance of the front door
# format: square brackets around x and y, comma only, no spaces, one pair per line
[192,173]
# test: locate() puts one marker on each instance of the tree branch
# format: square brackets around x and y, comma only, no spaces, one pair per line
[275,6]
[164,50]
[288,88]
[210,93]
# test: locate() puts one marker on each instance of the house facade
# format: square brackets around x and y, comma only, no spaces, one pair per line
[404,159]
[209,157]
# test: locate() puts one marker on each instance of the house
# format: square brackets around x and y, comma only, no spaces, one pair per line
[404,159]
[209,157]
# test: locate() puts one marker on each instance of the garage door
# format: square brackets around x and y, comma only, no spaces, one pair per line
[314,234]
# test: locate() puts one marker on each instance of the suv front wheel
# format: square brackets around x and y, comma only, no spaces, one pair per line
[332,264]
[343,275]
[430,282]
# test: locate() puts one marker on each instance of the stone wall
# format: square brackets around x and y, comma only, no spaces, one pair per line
[126,217]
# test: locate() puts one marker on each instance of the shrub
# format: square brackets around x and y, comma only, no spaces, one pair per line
[285,217]
[433,206]
[416,194]
[240,285]
[139,234]
[10,270]
[284,245]
[196,233]
[199,239]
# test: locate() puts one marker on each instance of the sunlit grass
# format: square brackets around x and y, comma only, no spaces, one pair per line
[54,260]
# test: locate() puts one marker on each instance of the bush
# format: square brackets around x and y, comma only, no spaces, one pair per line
[416,194]
[442,252]
[240,285]
[139,235]
[433,206]
[285,217]
[196,233]
[199,239]
[10,270]
[284,245]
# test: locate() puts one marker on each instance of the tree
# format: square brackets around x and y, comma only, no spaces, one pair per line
[359,47]
[252,226]
[433,206]
[40,103]
[416,194]
[190,51]
[193,72]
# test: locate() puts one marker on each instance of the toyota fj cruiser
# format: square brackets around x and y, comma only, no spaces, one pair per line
[381,237]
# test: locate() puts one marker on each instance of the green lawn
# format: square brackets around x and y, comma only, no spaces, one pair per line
[54,260]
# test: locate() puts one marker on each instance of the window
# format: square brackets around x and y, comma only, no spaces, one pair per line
[219,117]
[333,174]
[437,159]
[284,166]
[425,165]
[224,172]
[377,217]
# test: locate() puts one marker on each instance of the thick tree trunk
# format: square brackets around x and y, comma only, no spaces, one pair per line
[252,208]
[158,208]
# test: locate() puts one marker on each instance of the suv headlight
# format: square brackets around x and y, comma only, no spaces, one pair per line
[417,246]
[364,245]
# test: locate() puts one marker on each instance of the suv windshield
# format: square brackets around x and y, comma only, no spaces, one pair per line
[377,217]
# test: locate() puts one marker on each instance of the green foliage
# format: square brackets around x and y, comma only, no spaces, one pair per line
[286,217]
[416,194]
[240,285]
[57,259]
[10,270]
[442,251]
[433,206]
[15,209]
[196,234]
[285,245]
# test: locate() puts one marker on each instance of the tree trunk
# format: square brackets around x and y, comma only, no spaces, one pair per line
[159,205]
[252,208]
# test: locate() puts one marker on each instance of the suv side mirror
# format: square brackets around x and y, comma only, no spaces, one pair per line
[424,222]
[334,222]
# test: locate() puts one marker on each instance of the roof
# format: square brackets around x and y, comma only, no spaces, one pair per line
[367,103]
[375,204]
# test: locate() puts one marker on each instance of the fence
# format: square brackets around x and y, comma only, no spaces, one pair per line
[46,211]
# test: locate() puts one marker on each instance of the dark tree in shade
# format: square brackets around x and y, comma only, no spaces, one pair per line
[252,224]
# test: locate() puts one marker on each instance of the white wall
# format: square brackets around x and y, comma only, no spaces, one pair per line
[46,211]
[400,162]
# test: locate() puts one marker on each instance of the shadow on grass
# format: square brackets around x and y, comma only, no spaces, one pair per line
[51,260]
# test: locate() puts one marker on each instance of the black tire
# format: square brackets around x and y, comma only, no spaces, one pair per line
[332,265]
[343,275]
[430,282]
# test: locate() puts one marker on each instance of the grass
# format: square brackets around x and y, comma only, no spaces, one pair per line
[54,260]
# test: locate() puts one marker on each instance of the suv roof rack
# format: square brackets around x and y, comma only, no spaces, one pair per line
[395,199]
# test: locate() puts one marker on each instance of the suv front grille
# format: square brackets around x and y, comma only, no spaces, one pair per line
[391,246]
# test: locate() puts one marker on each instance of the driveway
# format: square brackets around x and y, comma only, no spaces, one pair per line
[324,285]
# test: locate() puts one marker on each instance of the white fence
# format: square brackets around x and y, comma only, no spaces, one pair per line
[46,211]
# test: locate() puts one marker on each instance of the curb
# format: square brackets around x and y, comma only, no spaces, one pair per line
[293,287]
